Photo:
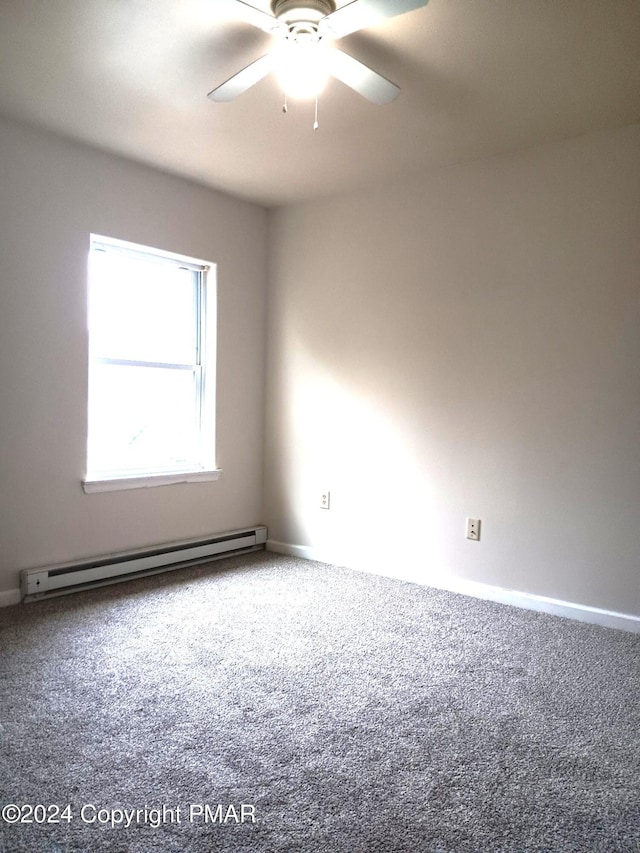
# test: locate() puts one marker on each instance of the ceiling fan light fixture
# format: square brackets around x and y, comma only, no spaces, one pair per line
[302,68]
[305,62]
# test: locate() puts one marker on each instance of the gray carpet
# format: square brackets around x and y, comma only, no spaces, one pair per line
[355,713]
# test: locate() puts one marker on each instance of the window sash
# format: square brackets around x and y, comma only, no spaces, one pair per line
[130,362]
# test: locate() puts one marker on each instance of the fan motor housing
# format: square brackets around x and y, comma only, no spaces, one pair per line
[295,12]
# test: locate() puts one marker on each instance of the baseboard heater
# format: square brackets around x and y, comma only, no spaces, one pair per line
[73,577]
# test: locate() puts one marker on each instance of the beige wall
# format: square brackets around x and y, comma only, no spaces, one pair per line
[460,344]
[466,344]
[52,195]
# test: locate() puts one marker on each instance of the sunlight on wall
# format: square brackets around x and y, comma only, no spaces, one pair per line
[383,513]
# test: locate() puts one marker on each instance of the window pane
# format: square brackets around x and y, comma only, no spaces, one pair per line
[142,418]
[140,309]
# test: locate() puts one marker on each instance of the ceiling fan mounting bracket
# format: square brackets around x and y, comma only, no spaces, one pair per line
[301,13]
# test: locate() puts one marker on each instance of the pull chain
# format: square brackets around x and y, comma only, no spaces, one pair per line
[285,109]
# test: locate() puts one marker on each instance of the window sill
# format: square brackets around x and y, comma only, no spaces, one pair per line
[147,481]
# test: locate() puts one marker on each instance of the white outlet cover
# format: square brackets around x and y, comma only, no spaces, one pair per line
[325,500]
[473,529]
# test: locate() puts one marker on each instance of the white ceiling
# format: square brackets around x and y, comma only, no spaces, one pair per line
[478,78]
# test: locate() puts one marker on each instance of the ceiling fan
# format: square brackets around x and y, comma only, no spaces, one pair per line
[304,57]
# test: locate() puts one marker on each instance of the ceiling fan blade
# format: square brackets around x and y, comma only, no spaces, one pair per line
[371,85]
[365,13]
[257,17]
[244,79]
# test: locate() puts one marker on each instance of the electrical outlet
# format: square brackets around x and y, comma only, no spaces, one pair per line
[473,529]
[325,500]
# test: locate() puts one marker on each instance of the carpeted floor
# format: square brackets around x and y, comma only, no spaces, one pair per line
[349,713]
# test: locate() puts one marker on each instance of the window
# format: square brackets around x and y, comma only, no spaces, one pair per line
[151,367]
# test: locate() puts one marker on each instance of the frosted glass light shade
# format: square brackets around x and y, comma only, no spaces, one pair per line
[302,69]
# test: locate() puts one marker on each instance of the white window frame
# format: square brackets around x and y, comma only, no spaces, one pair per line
[204,368]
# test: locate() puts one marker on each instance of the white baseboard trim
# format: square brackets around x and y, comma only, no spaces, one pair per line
[302,551]
[9,597]
[474,589]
